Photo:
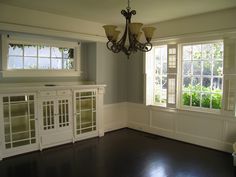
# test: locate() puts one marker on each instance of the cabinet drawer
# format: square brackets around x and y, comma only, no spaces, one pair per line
[47,93]
[63,92]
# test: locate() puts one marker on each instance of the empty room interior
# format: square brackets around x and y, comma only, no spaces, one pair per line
[122,88]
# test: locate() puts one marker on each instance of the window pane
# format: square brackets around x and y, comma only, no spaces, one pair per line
[186,99]
[196,99]
[187,52]
[216,101]
[187,83]
[44,63]
[56,64]
[30,50]
[164,68]
[206,82]
[56,52]
[68,53]
[218,51]
[218,68]
[164,83]
[196,83]
[207,51]
[197,67]
[30,63]
[197,52]
[15,62]
[187,67]
[158,70]
[206,100]
[160,79]
[217,84]
[205,90]
[35,57]
[206,68]
[15,49]
[44,51]
[68,64]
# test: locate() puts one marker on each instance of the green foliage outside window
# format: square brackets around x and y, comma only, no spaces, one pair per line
[209,99]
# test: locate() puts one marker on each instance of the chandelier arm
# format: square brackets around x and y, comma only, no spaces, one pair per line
[144,47]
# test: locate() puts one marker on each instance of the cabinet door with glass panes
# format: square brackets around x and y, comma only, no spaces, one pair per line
[85,112]
[55,120]
[18,123]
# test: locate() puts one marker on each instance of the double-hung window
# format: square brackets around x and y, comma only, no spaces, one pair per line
[188,76]
[202,72]
[23,57]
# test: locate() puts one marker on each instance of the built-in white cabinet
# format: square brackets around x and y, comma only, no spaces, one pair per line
[55,112]
[35,118]
[18,123]
[85,113]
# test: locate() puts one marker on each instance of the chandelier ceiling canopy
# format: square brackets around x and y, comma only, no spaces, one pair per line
[130,41]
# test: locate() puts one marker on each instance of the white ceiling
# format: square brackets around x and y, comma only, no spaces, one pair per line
[108,11]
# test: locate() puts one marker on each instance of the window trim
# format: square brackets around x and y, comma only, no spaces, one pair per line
[180,77]
[5,73]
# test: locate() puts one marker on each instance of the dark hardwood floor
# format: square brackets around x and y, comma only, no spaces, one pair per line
[122,153]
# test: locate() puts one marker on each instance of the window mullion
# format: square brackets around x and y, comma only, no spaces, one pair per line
[23,67]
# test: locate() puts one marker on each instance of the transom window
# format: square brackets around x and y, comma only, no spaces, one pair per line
[39,57]
[202,70]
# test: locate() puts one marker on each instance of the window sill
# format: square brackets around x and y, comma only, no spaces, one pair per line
[39,73]
[218,113]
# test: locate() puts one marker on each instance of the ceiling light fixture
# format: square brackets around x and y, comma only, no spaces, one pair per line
[131,35]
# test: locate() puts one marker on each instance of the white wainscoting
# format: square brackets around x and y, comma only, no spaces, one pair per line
[115,116]
[208,130]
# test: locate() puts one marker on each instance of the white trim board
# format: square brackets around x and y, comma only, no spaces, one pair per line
[208,130]
[18,28]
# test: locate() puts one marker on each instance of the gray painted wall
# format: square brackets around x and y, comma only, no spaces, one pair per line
[91,61]
[111,69]
[135,78]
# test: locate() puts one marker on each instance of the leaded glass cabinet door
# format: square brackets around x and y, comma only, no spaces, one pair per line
[48,107]
[56,120]
[19,123]
[85,112]
[56,114]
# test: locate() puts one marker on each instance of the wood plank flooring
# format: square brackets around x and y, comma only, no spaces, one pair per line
[122,153]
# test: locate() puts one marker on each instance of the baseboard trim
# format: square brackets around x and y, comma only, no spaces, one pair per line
[186,138]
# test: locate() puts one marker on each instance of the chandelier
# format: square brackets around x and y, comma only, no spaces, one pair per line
[129,42]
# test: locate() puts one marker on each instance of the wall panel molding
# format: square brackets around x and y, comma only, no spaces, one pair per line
[207,130]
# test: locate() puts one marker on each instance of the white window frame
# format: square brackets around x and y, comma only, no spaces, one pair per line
[170,76]
[180,77]
[5,72]
[160,104]
[148,91]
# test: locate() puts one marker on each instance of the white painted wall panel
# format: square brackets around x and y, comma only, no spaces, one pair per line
[115,116]
[138,114]
[199,126]
[209,130]
[230,132]
[162,120]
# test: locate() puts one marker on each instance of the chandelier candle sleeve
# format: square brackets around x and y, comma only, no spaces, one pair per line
[148,32]
[135,28]
[131,35]
[115,36]
[110,31]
